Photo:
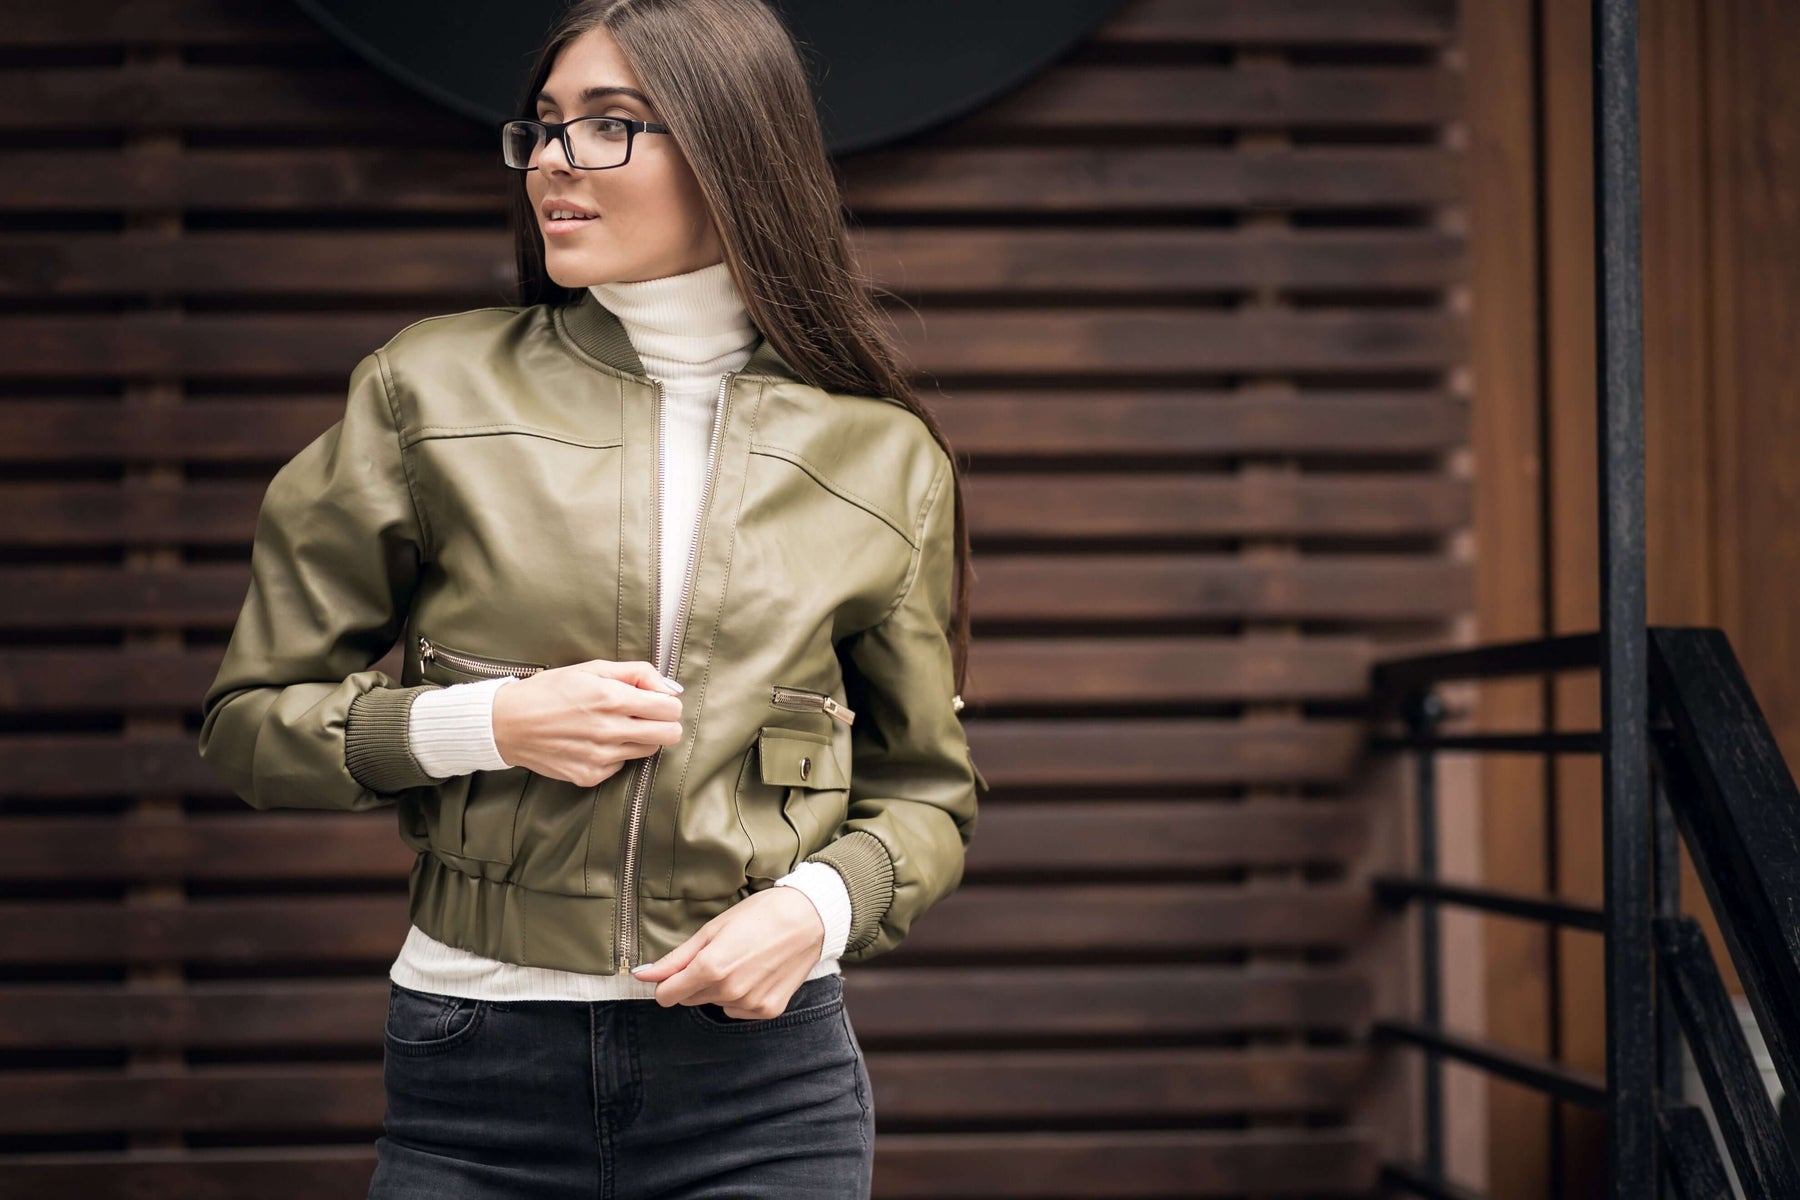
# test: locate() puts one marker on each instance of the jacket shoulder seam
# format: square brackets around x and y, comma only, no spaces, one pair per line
[918,542]
[824,480]
[406,463]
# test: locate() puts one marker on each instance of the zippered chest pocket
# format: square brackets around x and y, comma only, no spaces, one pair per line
[798,699]
[445,664]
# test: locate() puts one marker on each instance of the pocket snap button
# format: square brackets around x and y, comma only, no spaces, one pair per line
[805,767]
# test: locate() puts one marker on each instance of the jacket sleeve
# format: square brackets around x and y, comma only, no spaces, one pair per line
[912,802]
[296,718]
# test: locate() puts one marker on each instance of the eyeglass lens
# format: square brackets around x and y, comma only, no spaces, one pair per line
[595,142]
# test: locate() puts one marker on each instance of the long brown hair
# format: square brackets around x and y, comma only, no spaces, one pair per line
[728,81]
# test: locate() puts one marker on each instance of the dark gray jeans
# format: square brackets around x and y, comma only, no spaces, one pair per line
[622,1100]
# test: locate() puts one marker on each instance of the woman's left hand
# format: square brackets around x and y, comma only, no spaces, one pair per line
[750,959]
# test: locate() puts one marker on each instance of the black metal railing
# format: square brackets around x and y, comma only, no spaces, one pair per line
[1716,782]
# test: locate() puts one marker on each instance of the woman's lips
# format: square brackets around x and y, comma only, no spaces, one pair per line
[564,225]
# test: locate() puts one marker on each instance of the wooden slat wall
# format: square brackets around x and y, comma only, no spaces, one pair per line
[1194,311]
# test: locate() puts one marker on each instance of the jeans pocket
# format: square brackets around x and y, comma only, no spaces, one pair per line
[421,1023]
[813,1000]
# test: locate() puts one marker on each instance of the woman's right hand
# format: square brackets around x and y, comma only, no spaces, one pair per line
[582,722]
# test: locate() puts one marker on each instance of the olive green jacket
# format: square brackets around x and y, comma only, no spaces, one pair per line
[491,496]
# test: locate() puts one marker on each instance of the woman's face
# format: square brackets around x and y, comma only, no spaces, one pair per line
[651,218]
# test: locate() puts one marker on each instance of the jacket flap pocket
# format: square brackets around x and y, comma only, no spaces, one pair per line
[798,758]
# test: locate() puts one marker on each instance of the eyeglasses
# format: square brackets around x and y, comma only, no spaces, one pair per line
[589,143]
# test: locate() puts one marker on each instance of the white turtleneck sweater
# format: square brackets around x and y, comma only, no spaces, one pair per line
[688,330]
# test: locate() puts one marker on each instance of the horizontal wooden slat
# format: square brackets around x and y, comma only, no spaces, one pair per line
[994,921]
[1141,261]
[1074,98]
[1124,180]
[1126,587]
[1186,505]
[1098,753]
[1087,671]
[1299,22]
[359,101]
[913,1166]
[345,263]
[1003,423]
[916,1088]
[1011,587]
[1062,1165]
[1012,753]
[1055,342]
[1100,179]
[1113,835]
[1016,506]
[921,1002]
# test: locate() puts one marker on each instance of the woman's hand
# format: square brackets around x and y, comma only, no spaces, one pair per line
[582,722]
[750,959]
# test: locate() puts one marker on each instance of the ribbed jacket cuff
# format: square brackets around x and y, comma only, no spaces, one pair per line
[375,740]
[868,875]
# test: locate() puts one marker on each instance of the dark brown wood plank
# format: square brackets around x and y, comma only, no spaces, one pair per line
[921,1002]
[1105,179]
[1145,260]
[988,179]
[941,1089]
[1252,751]
[1296,22]
[341,263]
[1054,342]
[1010,587]
[1096,671]
[151,511]
[1007,423]
[1124,587]
[1127,1166]
[356,100]
[991,921]
[1016,836]
[1187,505]
[1162,423]
[1080,98]
[1043,671]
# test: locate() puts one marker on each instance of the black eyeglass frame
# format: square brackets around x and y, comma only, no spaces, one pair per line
[560,131]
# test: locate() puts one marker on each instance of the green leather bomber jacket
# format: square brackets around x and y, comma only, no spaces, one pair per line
[491,496]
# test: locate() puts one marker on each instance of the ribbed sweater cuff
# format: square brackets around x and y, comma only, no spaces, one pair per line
[376,752]
[825,888]
[868,875]
[452,728]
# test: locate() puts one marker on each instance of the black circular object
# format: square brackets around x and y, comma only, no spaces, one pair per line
[881,70]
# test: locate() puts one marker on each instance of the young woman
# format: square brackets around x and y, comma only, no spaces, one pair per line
[674,548]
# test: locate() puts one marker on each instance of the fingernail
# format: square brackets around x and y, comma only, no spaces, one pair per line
[673,684]
[641,967]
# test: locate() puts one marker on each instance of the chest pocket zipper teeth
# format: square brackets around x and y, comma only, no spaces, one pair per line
[808,700]
[470,664]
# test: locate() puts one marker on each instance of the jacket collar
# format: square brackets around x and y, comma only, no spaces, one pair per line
[600,334]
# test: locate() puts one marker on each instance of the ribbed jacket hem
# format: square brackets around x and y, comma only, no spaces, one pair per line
[376,749]
[868,875]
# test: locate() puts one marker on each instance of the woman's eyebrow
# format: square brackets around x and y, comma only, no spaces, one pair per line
[589,95]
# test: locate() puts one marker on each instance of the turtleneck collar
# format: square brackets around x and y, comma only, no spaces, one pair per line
[684,327]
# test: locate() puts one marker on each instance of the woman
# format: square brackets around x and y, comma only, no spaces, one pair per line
[691,445]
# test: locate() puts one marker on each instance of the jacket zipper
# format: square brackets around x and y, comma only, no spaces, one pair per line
[668,656]
[782,696]
[429,652]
